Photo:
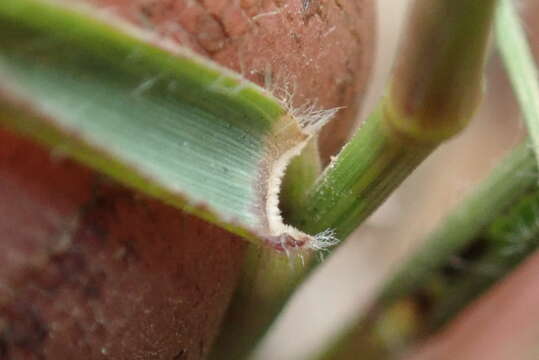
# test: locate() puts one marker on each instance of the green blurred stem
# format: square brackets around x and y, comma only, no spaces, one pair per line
[476,245]
[507,183]
[519,62]
[267,281]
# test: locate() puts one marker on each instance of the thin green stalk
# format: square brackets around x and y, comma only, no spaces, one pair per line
[475,246]
[520,65]
[435,90]
[367,170]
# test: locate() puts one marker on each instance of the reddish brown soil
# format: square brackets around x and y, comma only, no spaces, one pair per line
[91,270]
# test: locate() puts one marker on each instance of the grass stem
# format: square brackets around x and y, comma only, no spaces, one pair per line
[434,91]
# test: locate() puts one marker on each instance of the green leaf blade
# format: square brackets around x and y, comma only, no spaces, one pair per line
[154,116]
